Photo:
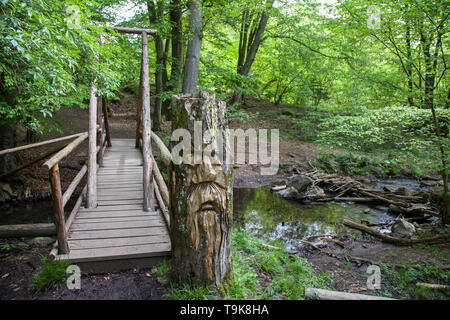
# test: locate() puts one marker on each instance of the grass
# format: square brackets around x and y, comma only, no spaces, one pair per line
[402,280]
[259,273]
[52,274]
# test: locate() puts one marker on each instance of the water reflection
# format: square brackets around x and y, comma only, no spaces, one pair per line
[265,214]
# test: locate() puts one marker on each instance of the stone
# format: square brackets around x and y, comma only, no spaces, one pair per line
[403,191]
[6,188]
[314,193]
[299,182]
[290,193]
[42,242]
[403,228]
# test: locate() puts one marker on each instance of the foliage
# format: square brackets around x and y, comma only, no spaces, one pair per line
[53,273]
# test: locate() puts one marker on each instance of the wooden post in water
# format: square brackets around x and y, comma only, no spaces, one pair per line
[146,127]
[201,191]
[91,201]
[58,210]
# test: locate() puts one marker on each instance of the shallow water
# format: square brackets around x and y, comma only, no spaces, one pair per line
[267,215]
[26,212]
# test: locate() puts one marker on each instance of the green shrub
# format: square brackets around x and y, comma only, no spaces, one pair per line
[53,273]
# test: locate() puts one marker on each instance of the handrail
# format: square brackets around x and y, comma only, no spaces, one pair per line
[59,199]
[64,152]
[163,150]
[38,144]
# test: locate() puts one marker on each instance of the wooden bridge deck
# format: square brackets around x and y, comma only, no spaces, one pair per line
[118,234]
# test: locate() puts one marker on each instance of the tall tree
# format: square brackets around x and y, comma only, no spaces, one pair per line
[194,46]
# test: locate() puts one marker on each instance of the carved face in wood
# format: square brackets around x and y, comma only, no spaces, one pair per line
[206,199]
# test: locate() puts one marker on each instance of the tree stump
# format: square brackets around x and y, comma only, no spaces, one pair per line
[201,190]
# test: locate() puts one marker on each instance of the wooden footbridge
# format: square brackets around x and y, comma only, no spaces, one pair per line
[120,220]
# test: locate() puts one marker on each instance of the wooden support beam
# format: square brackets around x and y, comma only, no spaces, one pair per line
[91,201]
[58,210]
[134,30]
[146,127]
[139,111]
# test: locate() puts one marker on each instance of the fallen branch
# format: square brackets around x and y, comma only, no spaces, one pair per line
[390,239]
[321,294]
[383,199]
[432,285]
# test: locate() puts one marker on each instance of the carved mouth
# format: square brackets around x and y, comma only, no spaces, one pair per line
[207,206]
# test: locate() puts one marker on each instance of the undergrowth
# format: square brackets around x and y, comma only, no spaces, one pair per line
[260,272]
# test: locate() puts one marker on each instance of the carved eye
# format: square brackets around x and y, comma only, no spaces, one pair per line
[213,153]
[180,153]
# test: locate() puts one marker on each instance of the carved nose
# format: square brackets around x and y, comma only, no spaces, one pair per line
[205,171]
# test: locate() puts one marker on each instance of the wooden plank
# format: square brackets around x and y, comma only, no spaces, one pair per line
[112,203]
[118,233]
[117,242]
[115,208]
[64,152]
[116,219]
[114,200]
[113,214]
[116,225]
[145,250]
[133,195]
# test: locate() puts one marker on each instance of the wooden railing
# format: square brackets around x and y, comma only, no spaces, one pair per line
[161,190]
[59,198]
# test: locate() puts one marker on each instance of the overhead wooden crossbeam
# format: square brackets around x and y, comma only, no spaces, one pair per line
[134,30]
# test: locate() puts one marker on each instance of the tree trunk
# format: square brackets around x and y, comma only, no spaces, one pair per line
[409,65]
[249,44]
[201,192]
[156,14]
[176,15]
[194,46]
[7,141]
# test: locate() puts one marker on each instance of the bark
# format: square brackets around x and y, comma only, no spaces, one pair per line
[201,194]
[7,140]
[176,15]
[156,14]
[194,46]
[250,39]
[409,65]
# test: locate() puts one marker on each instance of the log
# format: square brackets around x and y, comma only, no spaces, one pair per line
[146,128]
[75,209]
[128,30]
[432,286]
[64,152]
[322,294]
[27,230]
[25,165]
[165,154]
[58,210]
[139,111]
[91,201]
[34,145]
[161,184]
[162,206]
[73,185]
[100,131]
[390,239]
[383,199]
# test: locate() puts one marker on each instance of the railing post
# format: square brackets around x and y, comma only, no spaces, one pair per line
[146,127]
[58,210]
[91,201]
[100,131]
[105,115]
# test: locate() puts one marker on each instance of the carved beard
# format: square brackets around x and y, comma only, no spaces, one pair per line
[206,203]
